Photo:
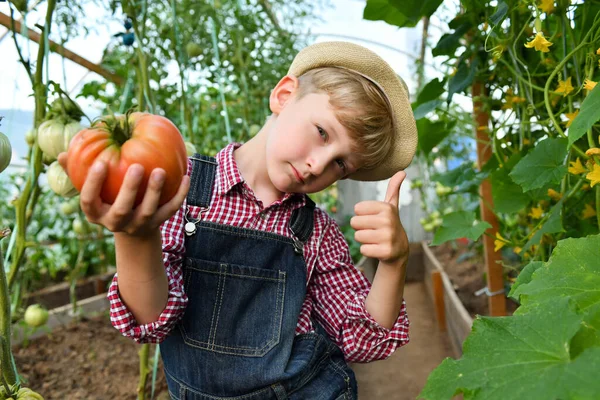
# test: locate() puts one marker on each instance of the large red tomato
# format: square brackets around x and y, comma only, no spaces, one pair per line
[150,140]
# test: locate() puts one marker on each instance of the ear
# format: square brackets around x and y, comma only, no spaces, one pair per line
[282,93]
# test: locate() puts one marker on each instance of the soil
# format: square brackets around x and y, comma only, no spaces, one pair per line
[85,360]
[465,266]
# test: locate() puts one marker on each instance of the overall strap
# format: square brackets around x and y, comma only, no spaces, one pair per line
[204,169]
[302,221]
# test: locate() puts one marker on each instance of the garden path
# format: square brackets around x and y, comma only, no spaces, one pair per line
[403,375]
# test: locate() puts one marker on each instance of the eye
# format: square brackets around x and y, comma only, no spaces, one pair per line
[322,133]
[341,164]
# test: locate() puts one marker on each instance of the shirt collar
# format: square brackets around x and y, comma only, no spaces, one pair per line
[229,175]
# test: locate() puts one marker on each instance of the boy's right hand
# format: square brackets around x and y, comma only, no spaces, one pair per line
[121,216]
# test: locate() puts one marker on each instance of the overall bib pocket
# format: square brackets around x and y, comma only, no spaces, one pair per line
[232,309]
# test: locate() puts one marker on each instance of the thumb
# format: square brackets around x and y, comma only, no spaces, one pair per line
[392,194]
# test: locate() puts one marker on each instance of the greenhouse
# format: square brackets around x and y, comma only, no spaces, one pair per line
[268,199]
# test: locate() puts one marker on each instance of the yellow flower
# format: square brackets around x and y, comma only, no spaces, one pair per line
[536,212]
[598,51]
[564,87]
[588,212]
[517,249]
[512,100]
[593,151]
[546,6]
[526,141]
[576,167]
[499,242]
[589,85]
[539,42]
[571,117]
[554,195]
[594,176]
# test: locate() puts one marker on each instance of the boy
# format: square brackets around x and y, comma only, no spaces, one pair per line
[248,287]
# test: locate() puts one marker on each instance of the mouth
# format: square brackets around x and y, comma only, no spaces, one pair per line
[297,174]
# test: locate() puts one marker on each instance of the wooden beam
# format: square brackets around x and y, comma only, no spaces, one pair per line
[57,48]
[438,299]
[495,278]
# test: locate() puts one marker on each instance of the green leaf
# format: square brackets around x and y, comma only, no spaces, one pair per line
[425,108]
[573,271]
[589,114]
[430,134]
[525,277]
[500,13]
[462,79]
[508,196]
[520,357]
[589,333]
[431,91]
[449,42]
[459,224]
[544,164]
[401,13]
[463,178]
[552,225]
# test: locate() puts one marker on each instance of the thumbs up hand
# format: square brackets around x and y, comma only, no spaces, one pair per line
[378,227]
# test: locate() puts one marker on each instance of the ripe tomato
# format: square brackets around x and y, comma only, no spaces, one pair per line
[150,140]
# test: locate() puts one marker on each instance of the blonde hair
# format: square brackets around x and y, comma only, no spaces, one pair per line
[360,107]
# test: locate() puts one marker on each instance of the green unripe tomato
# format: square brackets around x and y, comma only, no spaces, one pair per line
[254,129]
[35,315]
[30,137]
[190,148]
[79,226]
[28,394]
[59,182]
[5,151]
[193,49]
[69,207]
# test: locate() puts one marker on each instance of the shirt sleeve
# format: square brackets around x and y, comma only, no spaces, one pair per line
[339,291]
[173,247]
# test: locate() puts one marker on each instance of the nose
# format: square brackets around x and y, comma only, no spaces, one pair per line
[316,165]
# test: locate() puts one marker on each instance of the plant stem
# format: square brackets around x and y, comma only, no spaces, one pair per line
[144,355]
[7,363]
[551,77]
[41,95]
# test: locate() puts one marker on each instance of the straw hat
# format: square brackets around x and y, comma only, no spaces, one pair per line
[368,64]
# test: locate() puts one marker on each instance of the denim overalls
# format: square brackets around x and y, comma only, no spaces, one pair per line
[237,338]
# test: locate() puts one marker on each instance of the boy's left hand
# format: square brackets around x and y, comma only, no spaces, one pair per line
[378,227]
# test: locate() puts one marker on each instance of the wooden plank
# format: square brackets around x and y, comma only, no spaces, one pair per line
[438,296]
[57,48]
[495,279]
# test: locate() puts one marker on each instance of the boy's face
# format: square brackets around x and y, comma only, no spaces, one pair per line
[307,148]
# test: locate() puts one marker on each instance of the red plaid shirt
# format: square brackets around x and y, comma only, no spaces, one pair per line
[336,290]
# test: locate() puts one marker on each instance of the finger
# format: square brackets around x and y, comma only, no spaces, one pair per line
[367,222]
[369,207]
[170,208]
[89,198]
[392,195]
[62,160]
[127,193]
[151,199]
[369,236]
[371,250]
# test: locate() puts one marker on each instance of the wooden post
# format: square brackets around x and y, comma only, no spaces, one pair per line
[438,299]
[57,48]
[495,280]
